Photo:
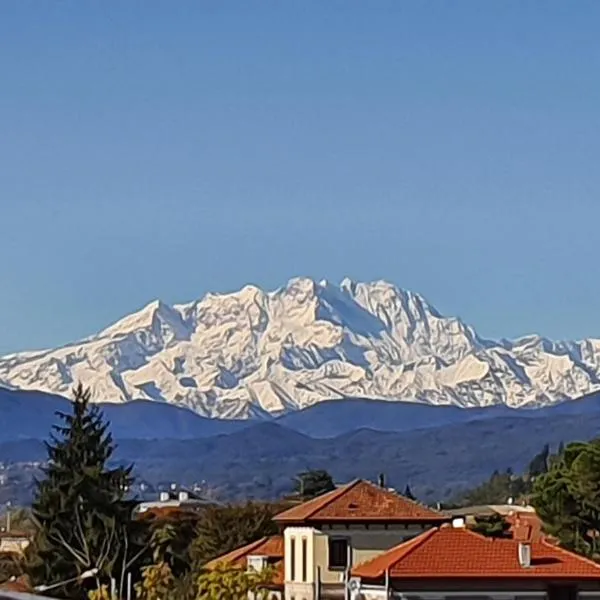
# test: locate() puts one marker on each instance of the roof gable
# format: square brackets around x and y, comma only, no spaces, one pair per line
[271,547]
[360,501]
[448,552]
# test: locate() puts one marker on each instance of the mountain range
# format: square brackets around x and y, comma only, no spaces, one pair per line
[439,451]
[254,354]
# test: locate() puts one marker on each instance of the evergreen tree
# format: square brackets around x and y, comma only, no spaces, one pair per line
[567,498]
[225,528]
[539,464]
[408,493]
[83,521]
[310,484]
[492,526]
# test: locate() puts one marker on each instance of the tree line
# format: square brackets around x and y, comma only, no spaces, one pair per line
[88,544]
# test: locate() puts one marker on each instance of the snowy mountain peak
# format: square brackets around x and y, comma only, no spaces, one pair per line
[252,352]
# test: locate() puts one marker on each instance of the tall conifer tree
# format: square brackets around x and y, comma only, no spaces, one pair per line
[83,519]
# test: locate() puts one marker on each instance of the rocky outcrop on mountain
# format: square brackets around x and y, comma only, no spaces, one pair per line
[254,353]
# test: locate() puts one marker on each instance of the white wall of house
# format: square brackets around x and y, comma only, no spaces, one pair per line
[364,544]
[311,554]
[300,569]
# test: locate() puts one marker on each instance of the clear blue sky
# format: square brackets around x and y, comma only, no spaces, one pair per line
[166,149]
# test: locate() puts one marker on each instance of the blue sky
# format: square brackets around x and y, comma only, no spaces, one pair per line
[166,149]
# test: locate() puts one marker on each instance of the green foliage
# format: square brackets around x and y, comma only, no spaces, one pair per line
[157,583]
[567,497]
[83,521]
[540,463]
[11,565]
[170,542]
[497,489]
[225,582]
[225,528]
[310,484]
[491,526]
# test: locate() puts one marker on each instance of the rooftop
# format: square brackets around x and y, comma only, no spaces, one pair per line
[456,552]
[270,547]
[360,501]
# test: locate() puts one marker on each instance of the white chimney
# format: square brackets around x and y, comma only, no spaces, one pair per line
[183,496]
[458,522]
[164,496]
[525,554]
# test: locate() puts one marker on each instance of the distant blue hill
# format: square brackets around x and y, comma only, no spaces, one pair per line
[30,415]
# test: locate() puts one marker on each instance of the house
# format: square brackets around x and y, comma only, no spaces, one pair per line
[513,514]
[174,501]
[322,538]
[264,553]
[14,542]
[453,562]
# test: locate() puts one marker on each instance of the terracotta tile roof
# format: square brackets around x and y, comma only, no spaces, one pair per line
[527,525]
[271,547]
[360,501]
[446,553]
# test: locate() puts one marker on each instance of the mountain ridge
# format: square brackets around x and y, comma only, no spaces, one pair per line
[255,353]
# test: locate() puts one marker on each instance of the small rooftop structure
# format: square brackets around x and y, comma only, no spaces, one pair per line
[176,499]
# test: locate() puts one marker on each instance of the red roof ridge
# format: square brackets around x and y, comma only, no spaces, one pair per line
[329,497]
[233,555]
[404,498]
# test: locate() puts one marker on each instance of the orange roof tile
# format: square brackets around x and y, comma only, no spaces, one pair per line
[448,553]
[360,501]
[271,547]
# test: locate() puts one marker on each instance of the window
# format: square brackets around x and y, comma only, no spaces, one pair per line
[304,559]
[562,592]
[293,559]
[338,553]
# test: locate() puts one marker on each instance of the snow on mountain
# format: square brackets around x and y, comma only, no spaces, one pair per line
[254,353]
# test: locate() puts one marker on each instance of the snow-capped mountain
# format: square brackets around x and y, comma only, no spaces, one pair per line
[253,352]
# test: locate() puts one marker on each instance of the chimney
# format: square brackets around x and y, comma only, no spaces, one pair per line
[525,554]
[164,496]
[381,480]
[183,496]
[521,531]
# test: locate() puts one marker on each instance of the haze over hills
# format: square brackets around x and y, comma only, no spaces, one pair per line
[254,354]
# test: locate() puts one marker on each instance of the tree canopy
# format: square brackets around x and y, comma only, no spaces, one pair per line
[225,528]
[310,484]
[82,519]
[567,497]
[491,526]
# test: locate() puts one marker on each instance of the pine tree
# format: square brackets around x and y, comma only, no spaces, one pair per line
[310,484]
[225,528]
[83,521]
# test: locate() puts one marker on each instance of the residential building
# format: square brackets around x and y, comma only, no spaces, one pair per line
[174,500]
[324,537]
[453,562]
[14,542]
[364,542]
